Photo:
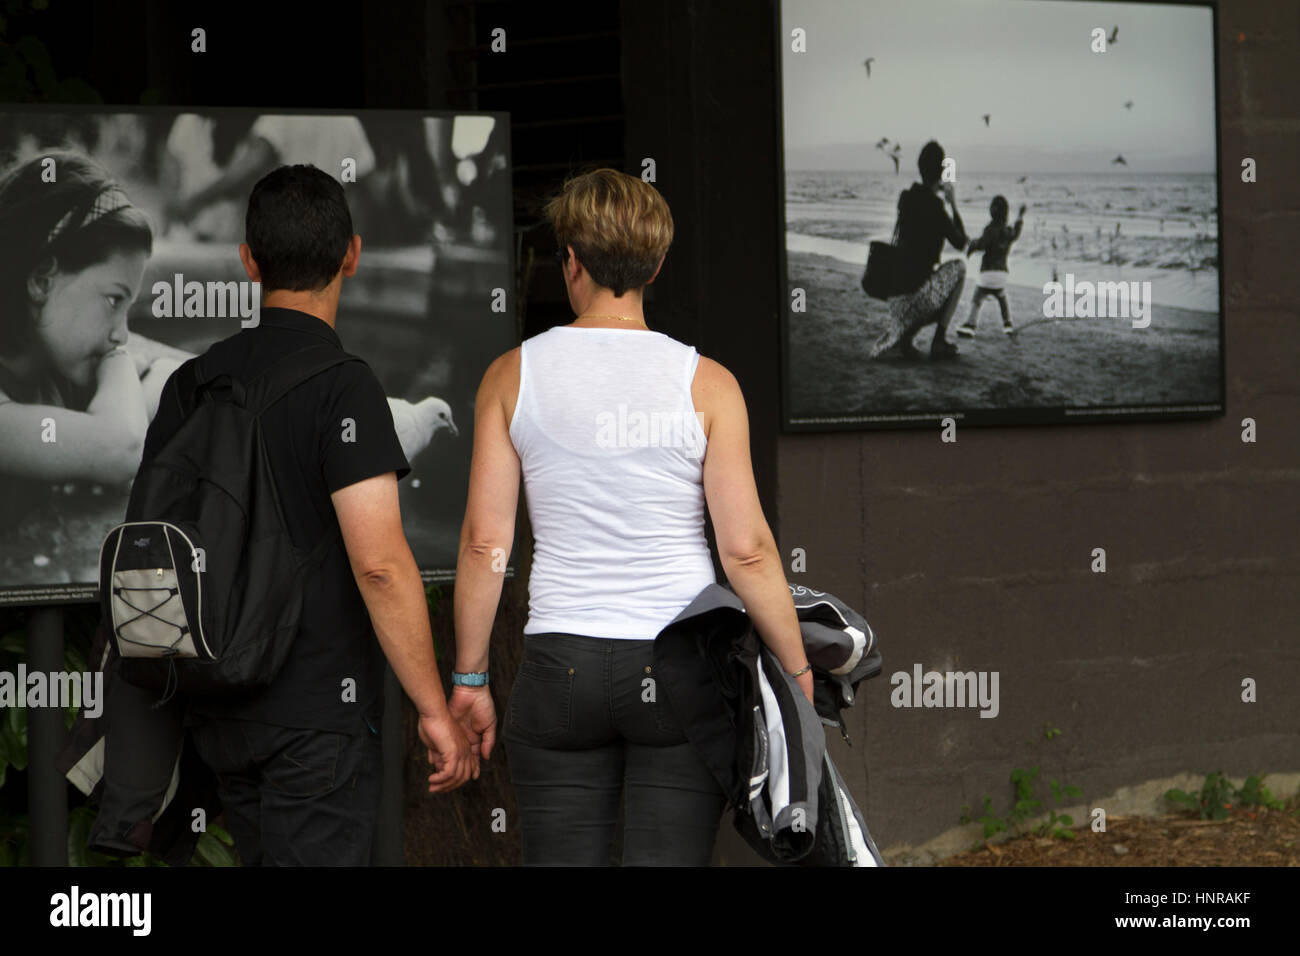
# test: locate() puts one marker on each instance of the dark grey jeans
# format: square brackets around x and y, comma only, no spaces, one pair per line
[588,723]
[294,797]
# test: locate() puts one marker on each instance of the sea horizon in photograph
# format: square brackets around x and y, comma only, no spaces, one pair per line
[1129,226]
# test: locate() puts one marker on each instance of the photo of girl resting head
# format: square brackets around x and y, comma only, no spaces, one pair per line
[78,389]
[77,392]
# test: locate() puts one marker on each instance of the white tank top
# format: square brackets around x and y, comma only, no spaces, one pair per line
[612,456]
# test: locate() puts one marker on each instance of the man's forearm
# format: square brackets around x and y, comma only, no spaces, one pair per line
[400,614]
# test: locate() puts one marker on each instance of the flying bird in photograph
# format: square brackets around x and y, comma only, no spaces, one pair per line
[1128,105]
[867,63]
[1119,161]
[986,119]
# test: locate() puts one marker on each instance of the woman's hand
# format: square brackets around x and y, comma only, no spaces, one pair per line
[477,715]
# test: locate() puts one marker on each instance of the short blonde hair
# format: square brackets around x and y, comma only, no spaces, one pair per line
[619,227]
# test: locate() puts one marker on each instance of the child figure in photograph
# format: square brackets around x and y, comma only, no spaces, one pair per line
[72,255]
[995,242]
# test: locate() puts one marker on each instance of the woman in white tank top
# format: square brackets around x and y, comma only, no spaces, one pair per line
[621,435]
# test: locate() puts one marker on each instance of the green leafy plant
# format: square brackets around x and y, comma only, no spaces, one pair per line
[1058,824]
[215,846]
[992,823]
[1217,796]
[1026,805]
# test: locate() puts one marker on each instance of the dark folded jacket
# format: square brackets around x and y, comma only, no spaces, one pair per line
[757,733]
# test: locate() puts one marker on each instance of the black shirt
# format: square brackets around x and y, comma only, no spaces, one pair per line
[923,225]
[309,458]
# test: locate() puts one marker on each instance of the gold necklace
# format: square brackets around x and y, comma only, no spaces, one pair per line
[623,318]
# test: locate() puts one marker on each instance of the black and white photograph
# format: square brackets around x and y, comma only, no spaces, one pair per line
[999,211]
[141,214]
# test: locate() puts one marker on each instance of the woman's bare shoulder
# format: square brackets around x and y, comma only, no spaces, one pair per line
[712,378]
[504,370]
[501,381]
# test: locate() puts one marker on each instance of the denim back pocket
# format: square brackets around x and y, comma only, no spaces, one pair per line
[541,703]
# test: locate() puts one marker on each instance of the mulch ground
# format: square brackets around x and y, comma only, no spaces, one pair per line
[1252,836]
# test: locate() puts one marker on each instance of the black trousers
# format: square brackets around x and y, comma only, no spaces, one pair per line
[294,797]
[586,725]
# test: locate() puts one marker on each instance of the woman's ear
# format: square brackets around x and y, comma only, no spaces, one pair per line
[40,281]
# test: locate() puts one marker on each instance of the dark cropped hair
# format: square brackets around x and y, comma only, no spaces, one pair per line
[998,208]
[930,162]
[298,228]
[58,221]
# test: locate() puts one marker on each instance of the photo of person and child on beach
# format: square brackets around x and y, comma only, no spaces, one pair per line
[1094,122]
[100,209]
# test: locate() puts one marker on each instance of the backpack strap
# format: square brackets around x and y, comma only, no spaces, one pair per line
[268,387]
[184,384]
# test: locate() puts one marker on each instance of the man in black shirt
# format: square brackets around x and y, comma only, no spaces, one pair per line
[298,765]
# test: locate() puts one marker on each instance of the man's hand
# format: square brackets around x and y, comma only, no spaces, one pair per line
[449,752]
[473,708]
[950,193]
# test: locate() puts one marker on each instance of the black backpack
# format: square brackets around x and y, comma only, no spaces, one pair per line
[201,586]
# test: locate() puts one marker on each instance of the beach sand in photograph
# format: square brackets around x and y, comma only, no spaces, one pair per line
[1091,362]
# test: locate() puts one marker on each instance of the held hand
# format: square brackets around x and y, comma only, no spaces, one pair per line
[473,709]
[449,752]
[950,193]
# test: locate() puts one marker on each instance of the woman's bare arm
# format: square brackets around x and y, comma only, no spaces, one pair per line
[488,531]
[746,546]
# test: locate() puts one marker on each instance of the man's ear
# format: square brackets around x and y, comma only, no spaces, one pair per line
[353,256]
[40,281]
[657,268]
[250,267]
